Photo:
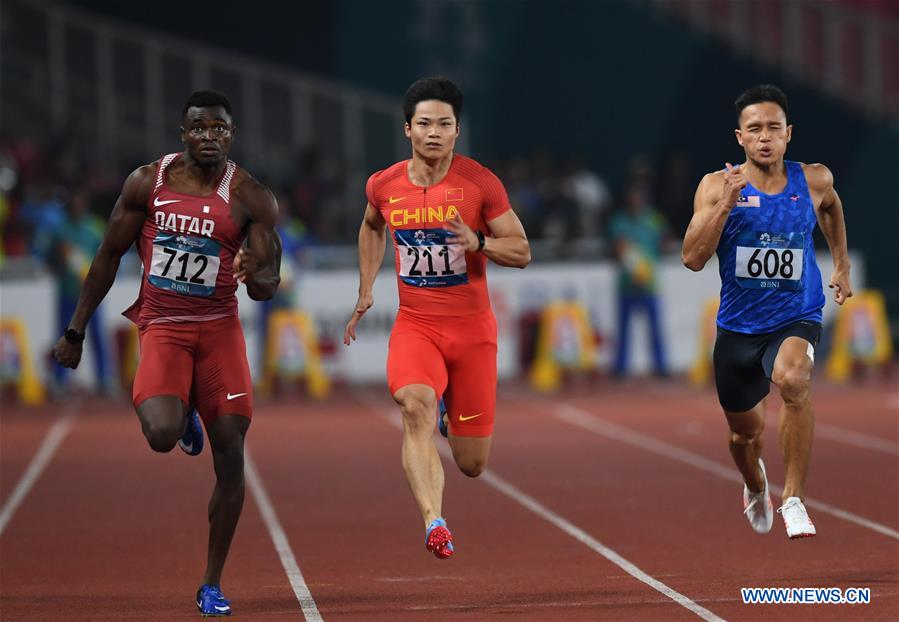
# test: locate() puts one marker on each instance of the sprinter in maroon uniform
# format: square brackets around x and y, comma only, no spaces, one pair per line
[201,224]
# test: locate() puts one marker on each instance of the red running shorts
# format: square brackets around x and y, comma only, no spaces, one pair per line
[455,356]
[200,362]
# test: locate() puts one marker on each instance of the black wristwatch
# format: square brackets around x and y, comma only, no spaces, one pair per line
[481,239]
[73,336]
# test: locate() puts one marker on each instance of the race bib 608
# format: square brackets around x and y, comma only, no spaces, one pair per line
[768,260]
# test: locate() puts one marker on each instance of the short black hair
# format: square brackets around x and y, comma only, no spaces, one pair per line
[206,99]
[759,94]
[437,87]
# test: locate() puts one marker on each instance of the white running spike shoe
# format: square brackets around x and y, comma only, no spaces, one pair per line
[796,519]
[757,506]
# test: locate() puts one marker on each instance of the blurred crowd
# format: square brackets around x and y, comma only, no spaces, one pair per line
[54,205]
[46,187]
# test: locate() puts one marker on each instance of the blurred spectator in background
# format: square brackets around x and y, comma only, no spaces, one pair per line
[555,213]
[295,239]
[70,247]
[637,234]
[675,191]
[523,194]
[319,194]
[589,194]
[308,189]
[43,212]
[640,172]
[543,175]
[13,241]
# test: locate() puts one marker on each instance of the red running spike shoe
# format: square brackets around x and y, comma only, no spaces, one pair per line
[438,539]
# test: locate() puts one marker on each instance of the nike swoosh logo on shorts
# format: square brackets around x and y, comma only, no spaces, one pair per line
[462,418]
[231,397]
[158,203]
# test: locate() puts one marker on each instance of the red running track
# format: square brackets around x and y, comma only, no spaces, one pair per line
[112,531]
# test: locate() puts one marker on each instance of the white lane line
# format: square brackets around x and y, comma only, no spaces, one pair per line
[52,440]
[851,437]
[279,539]
[588,421]
[579,534]
[528,502]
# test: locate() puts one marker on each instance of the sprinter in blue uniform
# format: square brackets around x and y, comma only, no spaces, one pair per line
[759,217]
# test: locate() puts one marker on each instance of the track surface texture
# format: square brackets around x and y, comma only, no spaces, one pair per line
[616,501]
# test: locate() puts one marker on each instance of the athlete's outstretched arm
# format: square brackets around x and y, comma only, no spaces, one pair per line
[715,198]
[258,264]
[508,245]
[833,226]
[125,223]
[372,239]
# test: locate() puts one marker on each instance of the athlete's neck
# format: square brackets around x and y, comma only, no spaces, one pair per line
[203,176]
[769,178]
[425,172]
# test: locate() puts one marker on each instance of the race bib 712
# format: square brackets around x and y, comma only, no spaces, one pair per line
[185,264]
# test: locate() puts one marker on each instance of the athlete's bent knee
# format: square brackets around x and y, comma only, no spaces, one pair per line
[794,386]
[744,439]
[472,467]
[161,439]
[746,428]
[417,414]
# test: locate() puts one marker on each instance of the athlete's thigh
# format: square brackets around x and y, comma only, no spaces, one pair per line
[749,423]
[222,384]
[414,358]
[739,377]
[793,348]
[163,412]
[166,362]
[471,361]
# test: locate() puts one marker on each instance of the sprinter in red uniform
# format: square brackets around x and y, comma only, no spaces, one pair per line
[195,216]
[447,215]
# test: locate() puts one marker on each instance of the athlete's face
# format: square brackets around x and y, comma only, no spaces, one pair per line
[207,134]
[764,133]
[433,130]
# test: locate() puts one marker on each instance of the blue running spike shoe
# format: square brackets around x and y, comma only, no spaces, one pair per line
[211,603]
[192,441]
[438,539]
[441,424]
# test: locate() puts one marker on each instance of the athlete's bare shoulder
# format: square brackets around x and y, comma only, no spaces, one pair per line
[711,188]
[139,185]
[248,188]
[818,177]
[713,179]
[255,197]
[244,182]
